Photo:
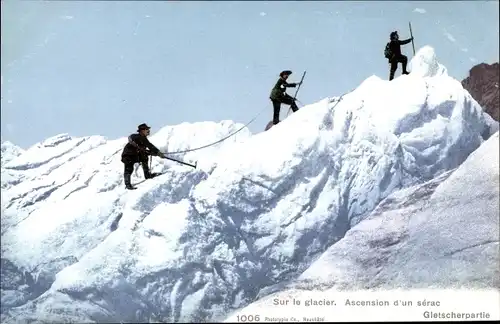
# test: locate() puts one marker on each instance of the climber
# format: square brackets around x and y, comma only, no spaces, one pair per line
[279,95]
[393,54]
[136,151]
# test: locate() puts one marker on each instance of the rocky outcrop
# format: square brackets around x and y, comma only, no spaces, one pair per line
[482,84]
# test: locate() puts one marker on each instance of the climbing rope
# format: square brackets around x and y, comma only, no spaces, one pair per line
[222,139]
[234,133]
[237,131]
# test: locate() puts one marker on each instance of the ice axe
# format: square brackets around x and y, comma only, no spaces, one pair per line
[181,162]
[300,83]
[411,35]
[297,91]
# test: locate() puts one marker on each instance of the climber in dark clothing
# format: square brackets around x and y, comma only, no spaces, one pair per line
[396,56]
[279,95]
[136,151]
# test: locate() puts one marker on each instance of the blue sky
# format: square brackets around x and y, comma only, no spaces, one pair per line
[103,67]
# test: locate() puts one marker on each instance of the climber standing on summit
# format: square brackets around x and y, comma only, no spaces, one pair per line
[136,151]
[393,53]
[279,95]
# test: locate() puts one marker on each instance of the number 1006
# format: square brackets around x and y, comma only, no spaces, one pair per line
[248,318]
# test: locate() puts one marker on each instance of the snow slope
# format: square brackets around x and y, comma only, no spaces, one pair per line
[440,234]
[192,245]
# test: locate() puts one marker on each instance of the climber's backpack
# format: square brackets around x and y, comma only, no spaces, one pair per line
[387,51]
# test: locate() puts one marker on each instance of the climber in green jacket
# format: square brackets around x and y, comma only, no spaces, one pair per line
[279,95]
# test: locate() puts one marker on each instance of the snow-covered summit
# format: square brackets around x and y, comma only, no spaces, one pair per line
[194,244]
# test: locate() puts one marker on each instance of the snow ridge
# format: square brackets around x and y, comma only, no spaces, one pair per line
[192,245]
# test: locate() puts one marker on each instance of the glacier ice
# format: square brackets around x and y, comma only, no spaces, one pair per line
[440,234]
[193,245]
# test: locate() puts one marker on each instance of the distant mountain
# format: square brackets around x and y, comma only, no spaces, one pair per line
[9,151]
[482,84]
